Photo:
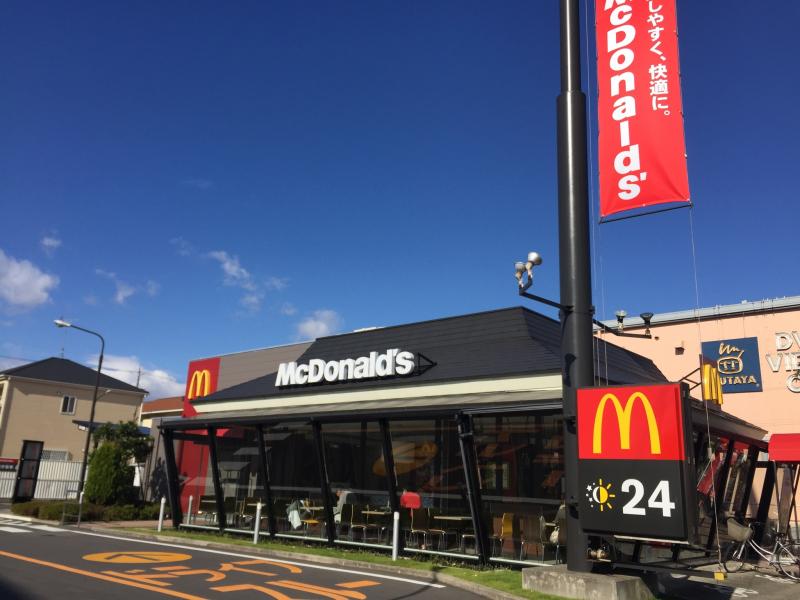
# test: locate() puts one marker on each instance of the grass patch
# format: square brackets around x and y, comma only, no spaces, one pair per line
[503,579]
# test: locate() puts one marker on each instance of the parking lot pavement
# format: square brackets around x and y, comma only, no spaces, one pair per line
[67,563]
[752,583]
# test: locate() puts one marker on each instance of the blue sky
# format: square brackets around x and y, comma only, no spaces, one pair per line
[197,178]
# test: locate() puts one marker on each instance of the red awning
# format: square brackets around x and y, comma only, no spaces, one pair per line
[785,447]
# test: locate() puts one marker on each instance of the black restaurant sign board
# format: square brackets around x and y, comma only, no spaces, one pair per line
[633,464]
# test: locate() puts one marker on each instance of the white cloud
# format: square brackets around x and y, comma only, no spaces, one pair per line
[22,284]
[183,247]
[320,323]
[50,244]
[276,284]
[252,301]
[235,273]
[197,183]
[288,309]
[124,290]
[158,382]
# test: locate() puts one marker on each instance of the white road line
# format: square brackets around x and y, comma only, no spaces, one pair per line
[46,528]
[15,530]
[257,557]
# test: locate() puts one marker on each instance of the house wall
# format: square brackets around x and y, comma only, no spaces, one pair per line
[32,408]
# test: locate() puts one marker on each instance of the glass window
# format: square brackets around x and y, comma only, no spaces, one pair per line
[293,470]
[68,405]
[434,509]
[357,475]
[709,468]
[195,479]
[240,476]
[521,471]
[741,463]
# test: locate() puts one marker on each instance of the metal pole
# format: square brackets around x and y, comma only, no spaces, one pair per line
[94,404]
[257,524]
[575,274]
[161,513]
[395,534]
[189,511]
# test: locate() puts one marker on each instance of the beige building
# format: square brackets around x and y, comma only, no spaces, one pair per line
[41,401]
[159,409]
[757,345]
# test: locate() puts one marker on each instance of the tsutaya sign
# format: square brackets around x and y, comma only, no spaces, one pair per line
[391,363]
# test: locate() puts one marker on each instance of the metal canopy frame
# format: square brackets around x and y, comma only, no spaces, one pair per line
[720,423]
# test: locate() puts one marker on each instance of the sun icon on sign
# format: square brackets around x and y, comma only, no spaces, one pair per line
[600,495]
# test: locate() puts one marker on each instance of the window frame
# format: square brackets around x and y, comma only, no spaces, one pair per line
[74,403]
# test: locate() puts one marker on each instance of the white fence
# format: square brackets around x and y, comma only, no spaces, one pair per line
[58,479]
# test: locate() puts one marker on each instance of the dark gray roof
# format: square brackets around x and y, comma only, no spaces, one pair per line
[67,371]
[505,342]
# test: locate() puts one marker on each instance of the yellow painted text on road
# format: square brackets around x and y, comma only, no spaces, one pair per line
[137,557]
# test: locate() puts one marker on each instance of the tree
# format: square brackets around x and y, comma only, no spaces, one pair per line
[110,479]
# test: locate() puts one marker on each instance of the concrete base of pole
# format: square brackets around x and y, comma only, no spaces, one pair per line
[558,581]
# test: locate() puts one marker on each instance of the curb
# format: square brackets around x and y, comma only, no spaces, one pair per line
[430,577]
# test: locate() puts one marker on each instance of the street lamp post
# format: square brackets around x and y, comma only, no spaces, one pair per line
[576,291]
[61,323]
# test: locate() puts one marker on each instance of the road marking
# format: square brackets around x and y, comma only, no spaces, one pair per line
[15,530]
[75,571]
[357,584]
[134,557]
[46,528]
[256,557]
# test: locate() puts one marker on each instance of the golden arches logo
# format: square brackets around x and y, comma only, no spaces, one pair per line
[711,384]
[624,422]
[200,384]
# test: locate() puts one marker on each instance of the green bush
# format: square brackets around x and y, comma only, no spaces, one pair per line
[27,509]
[125,512]
[52,511]
[110,480]
[149,512]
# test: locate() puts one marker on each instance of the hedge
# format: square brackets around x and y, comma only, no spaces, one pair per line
[52,510]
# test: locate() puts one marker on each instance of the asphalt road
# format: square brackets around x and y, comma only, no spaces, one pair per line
[40,561]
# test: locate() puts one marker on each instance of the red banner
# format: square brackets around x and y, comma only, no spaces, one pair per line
[631,423]
[642,152]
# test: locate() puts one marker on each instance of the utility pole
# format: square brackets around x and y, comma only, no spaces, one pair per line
[575,273]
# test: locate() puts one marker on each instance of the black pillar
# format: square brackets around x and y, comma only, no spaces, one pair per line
[766,500]
[720,483]
[219,494]
[330,524]
[575,274]
[467,447]
[262,457]
[172,478]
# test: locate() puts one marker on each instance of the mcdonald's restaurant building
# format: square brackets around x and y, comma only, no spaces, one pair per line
[454,424]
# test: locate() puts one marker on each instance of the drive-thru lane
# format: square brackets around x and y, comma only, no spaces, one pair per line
[64,563]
